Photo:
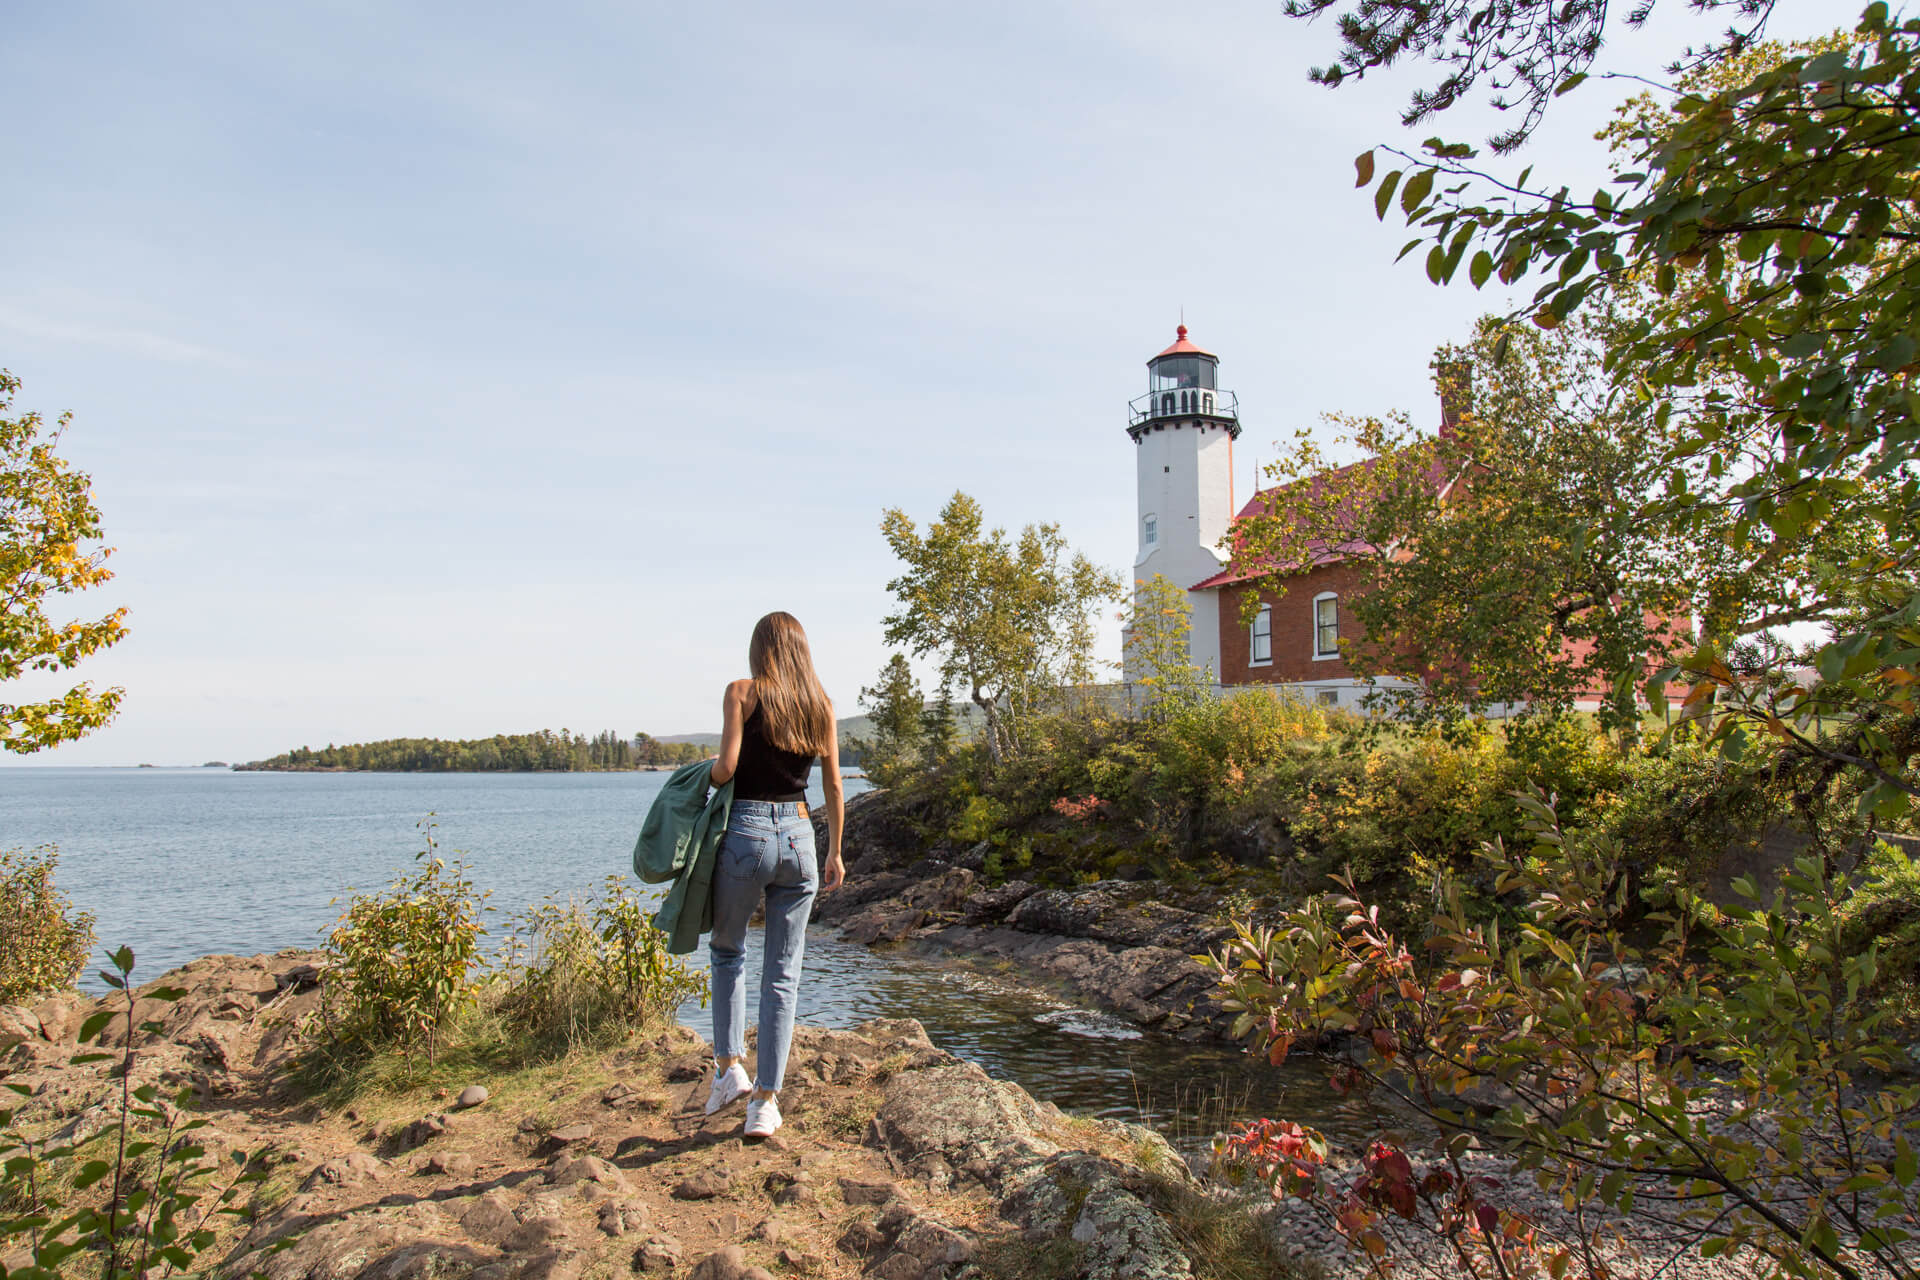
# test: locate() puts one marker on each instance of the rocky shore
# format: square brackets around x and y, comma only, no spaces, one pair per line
[897,1160]
[1125,945]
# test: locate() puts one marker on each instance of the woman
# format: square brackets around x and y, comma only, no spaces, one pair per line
[775,724]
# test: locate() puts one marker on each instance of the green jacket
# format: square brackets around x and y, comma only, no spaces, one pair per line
[679,841]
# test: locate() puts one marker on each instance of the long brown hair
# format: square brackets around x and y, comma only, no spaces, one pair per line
[795,713]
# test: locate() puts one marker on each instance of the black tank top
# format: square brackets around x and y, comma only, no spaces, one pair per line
[766,772]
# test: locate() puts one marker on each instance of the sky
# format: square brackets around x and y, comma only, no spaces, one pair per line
[445,370]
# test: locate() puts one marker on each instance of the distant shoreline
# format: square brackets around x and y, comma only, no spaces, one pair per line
[318,768]
[855,772]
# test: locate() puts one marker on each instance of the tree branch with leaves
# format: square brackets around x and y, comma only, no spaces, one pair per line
[49,547]
[1007,619]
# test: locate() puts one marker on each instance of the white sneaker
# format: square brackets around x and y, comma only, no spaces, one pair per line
[728,1086]
[763,1117]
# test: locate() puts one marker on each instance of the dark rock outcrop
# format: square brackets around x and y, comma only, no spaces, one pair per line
[955,1127]
[1117,943]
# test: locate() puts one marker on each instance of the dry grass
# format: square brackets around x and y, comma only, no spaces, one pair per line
[843,1117]
[1223,1234]
[1014,1257]
[389,1085]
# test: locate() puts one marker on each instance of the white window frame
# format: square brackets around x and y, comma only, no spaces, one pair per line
[1254,637]
[1313,620]
[1150,531]
[1327,697]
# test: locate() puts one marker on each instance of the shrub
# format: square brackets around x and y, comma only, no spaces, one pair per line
[1723,1083]
[401,964]
[1267,779]
[136,1200]
[1213,748]
[594,968]
[1884,912]
[45,943]
[980,819]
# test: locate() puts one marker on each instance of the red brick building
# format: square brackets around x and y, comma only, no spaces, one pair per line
[1295,638]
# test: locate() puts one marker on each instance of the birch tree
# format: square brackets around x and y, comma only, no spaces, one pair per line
[1006,618]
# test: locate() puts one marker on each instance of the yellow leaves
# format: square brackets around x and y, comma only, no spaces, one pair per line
[47,525]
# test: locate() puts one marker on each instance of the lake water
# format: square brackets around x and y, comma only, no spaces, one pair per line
[179,863]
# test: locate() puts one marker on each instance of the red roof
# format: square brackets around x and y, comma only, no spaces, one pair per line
[1268,500]
[1181,347]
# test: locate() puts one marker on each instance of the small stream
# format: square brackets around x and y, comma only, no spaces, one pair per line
[1082,1060]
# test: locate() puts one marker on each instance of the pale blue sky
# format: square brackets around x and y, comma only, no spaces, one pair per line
[452,369]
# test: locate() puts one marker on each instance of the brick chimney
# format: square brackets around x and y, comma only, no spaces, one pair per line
[1454,378]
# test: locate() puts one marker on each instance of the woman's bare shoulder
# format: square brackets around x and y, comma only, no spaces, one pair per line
[742,692]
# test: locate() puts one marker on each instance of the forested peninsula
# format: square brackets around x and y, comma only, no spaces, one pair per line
[542,752]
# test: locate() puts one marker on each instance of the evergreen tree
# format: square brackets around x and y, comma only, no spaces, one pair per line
[894,704]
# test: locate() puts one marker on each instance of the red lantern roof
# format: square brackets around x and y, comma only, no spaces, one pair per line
[1181,347]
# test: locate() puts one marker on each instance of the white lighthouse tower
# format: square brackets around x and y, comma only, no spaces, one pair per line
[1184,428]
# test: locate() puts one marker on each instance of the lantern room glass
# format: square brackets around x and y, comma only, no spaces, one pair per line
[1177,373]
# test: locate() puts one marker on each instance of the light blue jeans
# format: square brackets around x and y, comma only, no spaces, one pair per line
[768,852]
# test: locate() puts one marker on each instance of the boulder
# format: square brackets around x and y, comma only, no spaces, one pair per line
[423,1260]
[858,1191]
[657,1253]
[60,1015]
[1124,1238]
[800,1191]
[422,1131]
[489,1218]
[542,1264]
[1146,983]
[961,1116]
[471,1096]
[17,1026]
[567,1170]
[937,887]
[618,1217]
[873,832]
[354,1248]
[861,1239]
[451,1164]
[1103,1206]
[729,1263]
[860,892]
[567,1135]
[351,1170]
[703,1186]
[304,976]
[934,1243]
[994,904]
[883,924]
[533,1234]
[1125,913]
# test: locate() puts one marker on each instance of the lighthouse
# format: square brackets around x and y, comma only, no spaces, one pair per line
[1183,431]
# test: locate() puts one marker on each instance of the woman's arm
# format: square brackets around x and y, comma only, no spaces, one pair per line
[733,720]
[835,871]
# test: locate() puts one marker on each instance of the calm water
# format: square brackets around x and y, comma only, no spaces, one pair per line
[179,863]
